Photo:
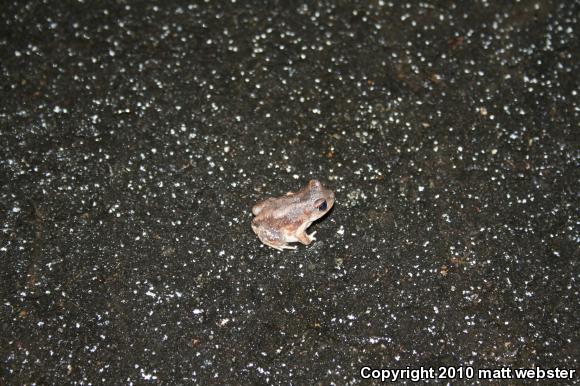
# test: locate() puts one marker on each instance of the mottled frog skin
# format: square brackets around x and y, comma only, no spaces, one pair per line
[283,220]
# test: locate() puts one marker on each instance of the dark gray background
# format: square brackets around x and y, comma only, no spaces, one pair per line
[136,137]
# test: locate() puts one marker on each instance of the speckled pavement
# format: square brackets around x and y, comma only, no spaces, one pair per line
[135,138]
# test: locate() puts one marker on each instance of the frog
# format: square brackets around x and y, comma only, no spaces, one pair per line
[282,220]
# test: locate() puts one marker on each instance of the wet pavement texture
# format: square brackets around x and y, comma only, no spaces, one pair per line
[135,138]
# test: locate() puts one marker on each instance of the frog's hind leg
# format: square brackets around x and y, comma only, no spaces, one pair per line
[280,247]
[273,239]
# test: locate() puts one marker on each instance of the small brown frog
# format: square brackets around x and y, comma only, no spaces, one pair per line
[283,220]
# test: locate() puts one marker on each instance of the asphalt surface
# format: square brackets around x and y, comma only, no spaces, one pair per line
[135,138]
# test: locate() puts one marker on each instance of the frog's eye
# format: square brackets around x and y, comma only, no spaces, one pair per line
[321,204]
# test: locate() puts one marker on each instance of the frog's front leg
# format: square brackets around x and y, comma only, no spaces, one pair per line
[306,238]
